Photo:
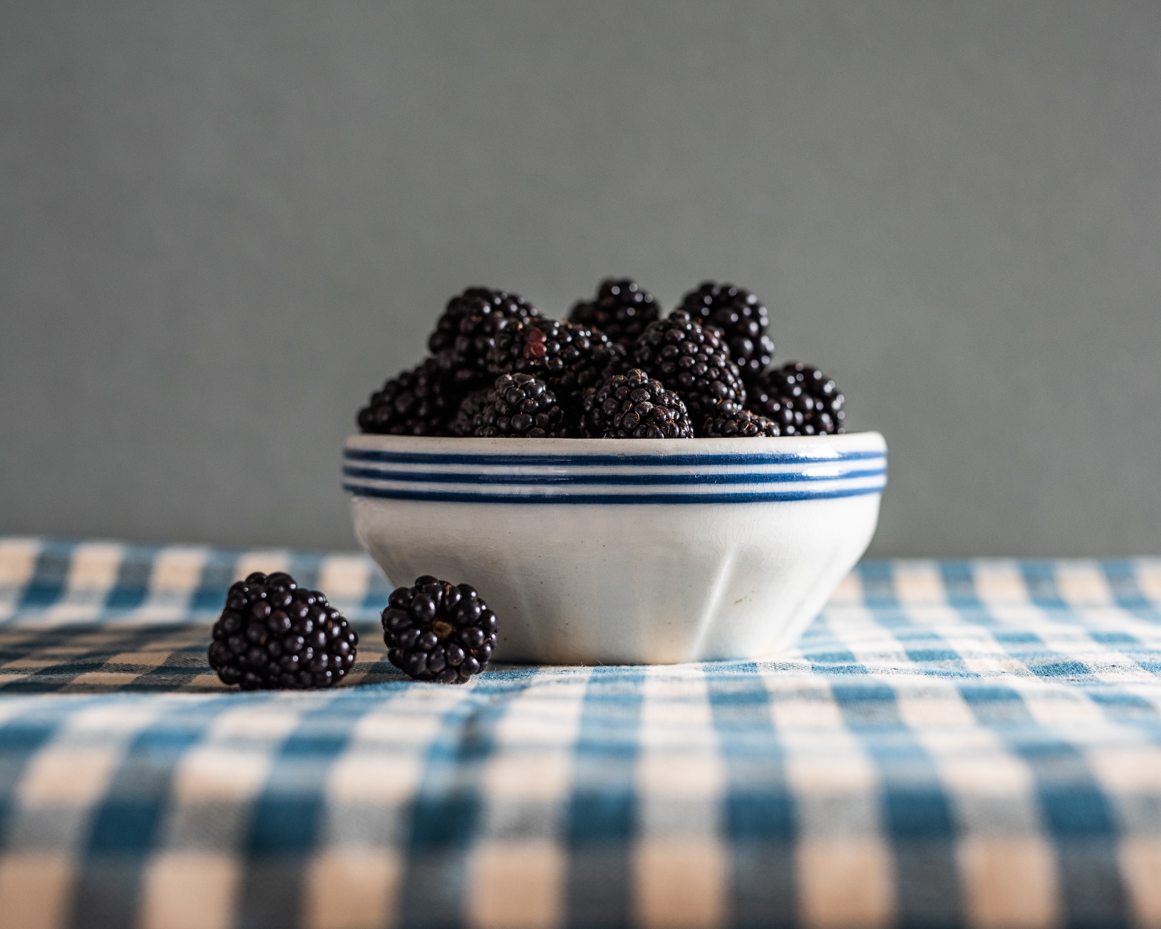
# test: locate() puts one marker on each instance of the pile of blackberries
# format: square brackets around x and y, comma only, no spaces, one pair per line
[500,369]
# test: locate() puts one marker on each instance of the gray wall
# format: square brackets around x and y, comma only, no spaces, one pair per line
[224,223]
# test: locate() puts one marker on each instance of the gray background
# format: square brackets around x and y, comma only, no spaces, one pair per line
[224,223]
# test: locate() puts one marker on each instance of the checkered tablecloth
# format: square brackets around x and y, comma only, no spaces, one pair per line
[952,743]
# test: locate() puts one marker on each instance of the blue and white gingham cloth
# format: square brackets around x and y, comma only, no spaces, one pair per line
[952,744]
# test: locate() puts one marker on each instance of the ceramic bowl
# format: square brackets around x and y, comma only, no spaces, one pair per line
[621,551]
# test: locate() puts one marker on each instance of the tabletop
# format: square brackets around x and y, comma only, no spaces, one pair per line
[952,743]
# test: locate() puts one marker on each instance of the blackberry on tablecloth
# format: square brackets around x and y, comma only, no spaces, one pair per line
[439,632]
[276,635]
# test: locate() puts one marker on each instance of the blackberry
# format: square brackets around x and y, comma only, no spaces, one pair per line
[567,357]
[693,361]
[742,319]
[436,631]
[416,402]
[466,330]
[631,406]
[730,422]
[274,634]
[776,409]
[520,406]
[801,399]
[464,422]
[621,310]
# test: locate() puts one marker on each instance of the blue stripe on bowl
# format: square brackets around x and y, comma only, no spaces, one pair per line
[765,496]
[644,480]
[587,461]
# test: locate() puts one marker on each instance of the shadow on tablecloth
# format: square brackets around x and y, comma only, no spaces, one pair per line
[163,658]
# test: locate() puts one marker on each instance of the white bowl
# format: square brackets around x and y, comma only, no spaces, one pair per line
[624,551]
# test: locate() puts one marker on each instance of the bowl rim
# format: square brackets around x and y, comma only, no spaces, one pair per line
[868,442]
[614,471]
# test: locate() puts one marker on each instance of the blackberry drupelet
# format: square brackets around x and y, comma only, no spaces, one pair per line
[466,330]
[691,360]
[436,631]
[274,634]
[742,319]
[416,402]
[728,422]
[801,399]
[464,422]
[631,406]
[520,406]
[567,357]
[621,310]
